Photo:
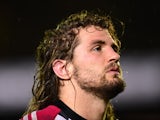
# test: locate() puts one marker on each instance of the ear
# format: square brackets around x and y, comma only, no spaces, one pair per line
[59,67]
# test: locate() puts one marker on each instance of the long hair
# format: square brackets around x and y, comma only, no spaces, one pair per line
[59,43]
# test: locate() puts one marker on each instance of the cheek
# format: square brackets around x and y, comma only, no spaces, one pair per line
[92,59]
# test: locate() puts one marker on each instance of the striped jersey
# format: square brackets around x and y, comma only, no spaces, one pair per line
[58,111]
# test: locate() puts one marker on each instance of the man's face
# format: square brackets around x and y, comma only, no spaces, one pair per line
[96,63]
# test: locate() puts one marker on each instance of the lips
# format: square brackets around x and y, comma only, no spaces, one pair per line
[114,69]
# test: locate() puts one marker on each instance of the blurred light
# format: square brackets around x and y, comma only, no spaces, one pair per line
[141,74]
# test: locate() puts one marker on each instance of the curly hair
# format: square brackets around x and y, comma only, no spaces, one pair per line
[59,43]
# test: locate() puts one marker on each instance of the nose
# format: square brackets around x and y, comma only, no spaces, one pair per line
[114,56]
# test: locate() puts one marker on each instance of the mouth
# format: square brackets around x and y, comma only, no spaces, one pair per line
[114,70]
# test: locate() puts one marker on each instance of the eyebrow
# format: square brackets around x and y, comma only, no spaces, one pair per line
[98,42]
[103,42]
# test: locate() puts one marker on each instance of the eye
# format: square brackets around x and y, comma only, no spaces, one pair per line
[97,48]
[115,48]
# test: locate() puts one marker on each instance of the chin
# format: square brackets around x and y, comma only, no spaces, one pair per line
[113,79]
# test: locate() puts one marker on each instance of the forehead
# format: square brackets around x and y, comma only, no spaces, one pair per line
[94,33]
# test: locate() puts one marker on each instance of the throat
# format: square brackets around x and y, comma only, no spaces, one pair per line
[92,108]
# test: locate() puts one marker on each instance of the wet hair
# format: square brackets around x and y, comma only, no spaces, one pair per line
[59,43]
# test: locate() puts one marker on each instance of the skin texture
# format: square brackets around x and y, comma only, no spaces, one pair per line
[93,76]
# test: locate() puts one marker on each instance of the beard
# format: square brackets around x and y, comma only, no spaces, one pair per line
[97,84]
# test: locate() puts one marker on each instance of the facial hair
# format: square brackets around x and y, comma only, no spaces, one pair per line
[97,84]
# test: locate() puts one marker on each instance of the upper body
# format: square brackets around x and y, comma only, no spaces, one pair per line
[78,64]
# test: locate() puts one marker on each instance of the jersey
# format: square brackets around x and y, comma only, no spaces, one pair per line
[49,113]
[58,111]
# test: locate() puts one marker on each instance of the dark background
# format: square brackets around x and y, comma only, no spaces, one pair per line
[22,25]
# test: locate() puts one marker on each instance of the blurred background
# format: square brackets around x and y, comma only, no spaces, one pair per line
[22,26]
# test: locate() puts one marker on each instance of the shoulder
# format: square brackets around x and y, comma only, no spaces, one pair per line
[48,113]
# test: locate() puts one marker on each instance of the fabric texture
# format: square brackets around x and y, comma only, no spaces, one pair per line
[48,113]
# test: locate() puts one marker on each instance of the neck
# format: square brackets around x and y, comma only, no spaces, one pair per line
[83,103]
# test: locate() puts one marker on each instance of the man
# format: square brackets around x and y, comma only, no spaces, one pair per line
[78,70]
